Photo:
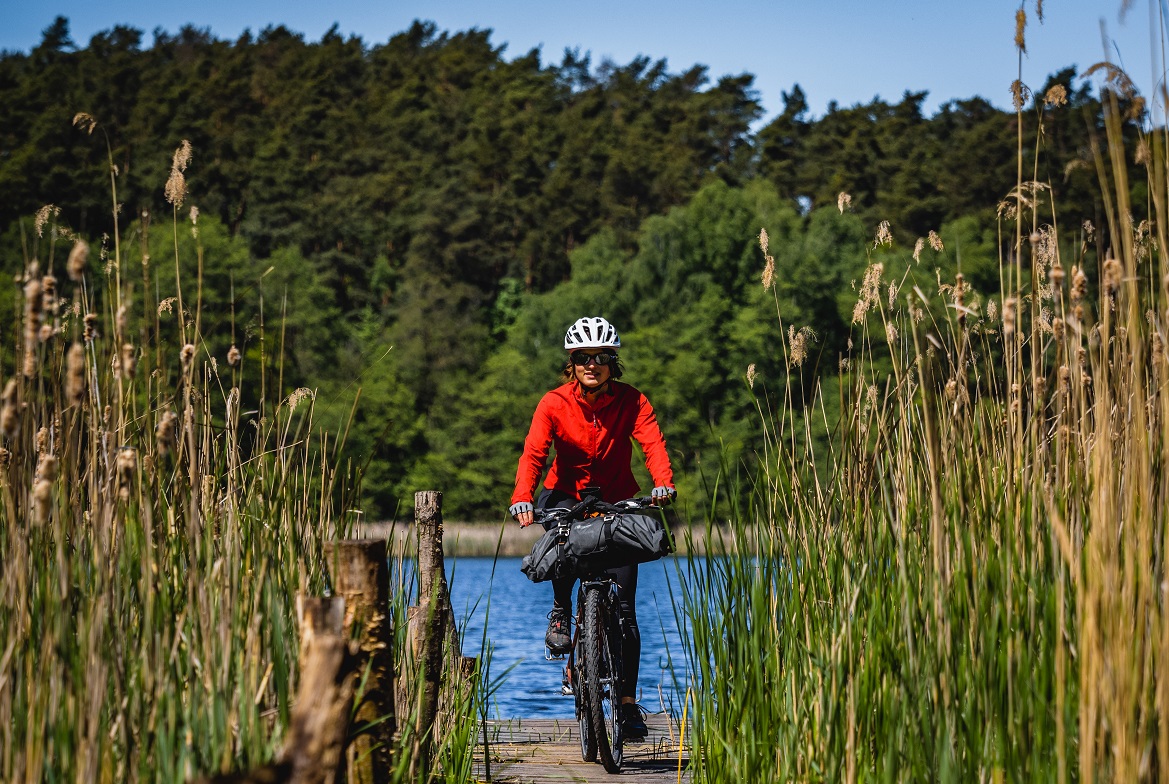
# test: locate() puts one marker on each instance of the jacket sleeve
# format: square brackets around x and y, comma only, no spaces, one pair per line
[649,437]
[535,455]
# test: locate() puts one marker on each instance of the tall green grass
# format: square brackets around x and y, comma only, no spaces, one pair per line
[153,534]
[975,588]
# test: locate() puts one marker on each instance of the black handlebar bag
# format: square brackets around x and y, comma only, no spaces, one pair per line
[596,544]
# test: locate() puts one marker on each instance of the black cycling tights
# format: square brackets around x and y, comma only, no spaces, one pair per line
[626,579]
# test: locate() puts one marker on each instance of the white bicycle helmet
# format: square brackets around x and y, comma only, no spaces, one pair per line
[591,332]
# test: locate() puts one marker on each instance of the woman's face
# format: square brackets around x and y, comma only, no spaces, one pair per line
[590,374]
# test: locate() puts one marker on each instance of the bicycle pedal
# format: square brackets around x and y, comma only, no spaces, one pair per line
[550,656]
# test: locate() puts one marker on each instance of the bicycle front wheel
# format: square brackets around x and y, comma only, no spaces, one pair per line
[584,718]
[601,679]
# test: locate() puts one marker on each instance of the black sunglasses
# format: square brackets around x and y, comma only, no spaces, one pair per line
[581,358]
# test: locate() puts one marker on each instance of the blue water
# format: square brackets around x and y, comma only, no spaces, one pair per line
[496,594]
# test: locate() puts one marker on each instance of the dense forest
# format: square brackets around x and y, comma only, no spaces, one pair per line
[418,221]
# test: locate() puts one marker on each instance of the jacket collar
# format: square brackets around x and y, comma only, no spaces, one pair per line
[602,400]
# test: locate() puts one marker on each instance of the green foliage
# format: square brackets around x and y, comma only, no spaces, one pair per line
[412,213]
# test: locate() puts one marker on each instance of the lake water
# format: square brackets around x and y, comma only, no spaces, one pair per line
[496,594]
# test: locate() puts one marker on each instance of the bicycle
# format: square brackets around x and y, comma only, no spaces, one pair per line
[595,660]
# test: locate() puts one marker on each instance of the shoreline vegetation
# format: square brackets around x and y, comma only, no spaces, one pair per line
[508,540]
[946,556]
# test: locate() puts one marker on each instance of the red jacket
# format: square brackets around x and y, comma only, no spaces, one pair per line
[593,443]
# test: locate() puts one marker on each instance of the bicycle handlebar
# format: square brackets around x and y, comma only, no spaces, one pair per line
[592,503]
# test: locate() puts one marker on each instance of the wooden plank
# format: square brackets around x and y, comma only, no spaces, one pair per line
[547,751]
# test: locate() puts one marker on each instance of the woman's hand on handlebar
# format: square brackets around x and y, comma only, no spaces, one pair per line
[522,512]
[662,496]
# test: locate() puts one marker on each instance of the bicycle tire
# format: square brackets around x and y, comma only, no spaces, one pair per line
[584,719]
[601,669]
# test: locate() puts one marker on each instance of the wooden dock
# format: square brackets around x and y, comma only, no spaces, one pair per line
[547,751]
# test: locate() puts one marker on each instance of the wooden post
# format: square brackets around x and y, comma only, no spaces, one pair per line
[315,743]
[361,576]
[433,612]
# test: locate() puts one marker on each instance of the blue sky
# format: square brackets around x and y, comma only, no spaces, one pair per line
[843,50]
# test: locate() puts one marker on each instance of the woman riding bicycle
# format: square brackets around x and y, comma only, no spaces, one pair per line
[592,420]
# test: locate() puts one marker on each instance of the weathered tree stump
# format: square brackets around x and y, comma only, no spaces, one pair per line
[433,610]
[315,743]
[361,576]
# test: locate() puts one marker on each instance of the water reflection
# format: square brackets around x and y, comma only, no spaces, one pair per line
[496,596]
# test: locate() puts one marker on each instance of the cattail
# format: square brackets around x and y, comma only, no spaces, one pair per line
[1079,284]
[798,343]
[42,217]
[1057,275]
[33,304]
[769,274]
[870,292]
[120,320]
[1019,95]
[49,293]
[1111,275]
[42,491]
[187,355]
[1056,96]
[843,200]
[47,467]
[1082,356]
[46,333]
[936,242]
[1065,377]
[1085,379]
[297,395]
[1039,386]
[959,297]
[125,466]
[129,360]
[1016,403]
[164,434]
[884,235]
[176,184]
[891,332]
[78,258]
[1158,349]
[1057,329]
[42,488]
[42,440]
[1079,313]
[1020,27]
[951,389]
[763,240]
[5,459]
[90,327]
[233,356]
[9,413]
[75,375]
[1009,319]
[918,247]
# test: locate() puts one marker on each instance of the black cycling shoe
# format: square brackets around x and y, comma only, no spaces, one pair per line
[632,724]
[558,640]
